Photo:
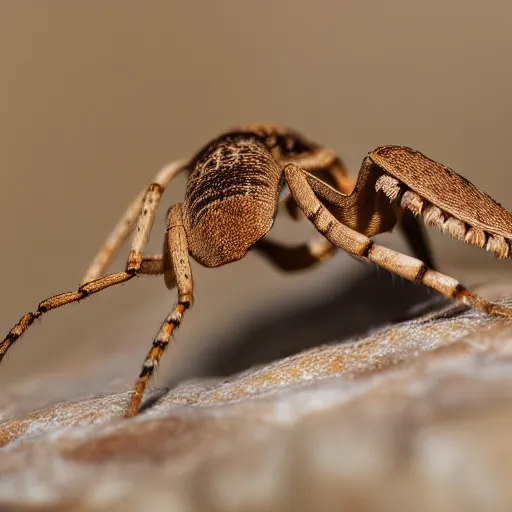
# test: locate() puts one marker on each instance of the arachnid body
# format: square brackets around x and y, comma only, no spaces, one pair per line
[231,200]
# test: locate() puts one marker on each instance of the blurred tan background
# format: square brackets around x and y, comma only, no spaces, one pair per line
[96,96]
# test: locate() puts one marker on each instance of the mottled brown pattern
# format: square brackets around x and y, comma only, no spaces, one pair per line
[132,445]
[444,188]
[282,141]
[234,184]
[231,200]
[235,164]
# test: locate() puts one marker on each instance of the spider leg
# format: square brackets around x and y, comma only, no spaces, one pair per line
[291,258]
[354,242]
[151,265]
[327,166]
[136,264]
[328,169]
[324,164]
[126,223]
[416,238]
[411,227]
[177,272]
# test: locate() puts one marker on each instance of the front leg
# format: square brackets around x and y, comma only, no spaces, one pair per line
[176,267]
[360,245]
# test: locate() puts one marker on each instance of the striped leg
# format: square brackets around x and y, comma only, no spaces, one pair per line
[126,223]
[324,164]
[150,265]
[360,245]
[357,203]
[177,272]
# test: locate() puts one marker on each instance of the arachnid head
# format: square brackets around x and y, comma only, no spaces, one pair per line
[282,142]
[231,198]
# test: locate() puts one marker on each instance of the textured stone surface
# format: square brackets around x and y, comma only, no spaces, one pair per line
[412,416]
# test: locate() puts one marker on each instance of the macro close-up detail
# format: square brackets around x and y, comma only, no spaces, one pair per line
[256,256]
[231,200]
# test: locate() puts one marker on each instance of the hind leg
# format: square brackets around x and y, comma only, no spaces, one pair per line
[360,245]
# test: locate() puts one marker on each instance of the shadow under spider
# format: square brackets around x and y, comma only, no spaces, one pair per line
[372,299]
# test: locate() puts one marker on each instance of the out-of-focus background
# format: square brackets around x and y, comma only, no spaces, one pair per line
[96,96]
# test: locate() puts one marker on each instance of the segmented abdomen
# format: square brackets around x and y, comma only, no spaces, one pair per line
[233,165]
[231,198]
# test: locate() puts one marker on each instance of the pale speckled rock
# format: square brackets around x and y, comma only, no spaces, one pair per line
[413,416]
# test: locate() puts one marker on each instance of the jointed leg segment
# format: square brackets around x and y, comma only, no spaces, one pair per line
[357,205]
[360,245]
[177,271]
[149,265]
[145,212]
[292,258]
[126,223]
[174,264]
[346,215]
[115,240]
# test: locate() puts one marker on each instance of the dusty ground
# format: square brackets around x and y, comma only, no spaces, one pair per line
[417,414]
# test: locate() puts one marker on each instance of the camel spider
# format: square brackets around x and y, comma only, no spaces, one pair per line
[231,200]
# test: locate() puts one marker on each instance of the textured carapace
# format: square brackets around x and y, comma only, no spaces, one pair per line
[233,189]
[231,200]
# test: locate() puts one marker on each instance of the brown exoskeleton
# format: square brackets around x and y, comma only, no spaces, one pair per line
[231,200]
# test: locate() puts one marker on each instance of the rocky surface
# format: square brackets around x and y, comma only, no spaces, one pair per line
[416,415]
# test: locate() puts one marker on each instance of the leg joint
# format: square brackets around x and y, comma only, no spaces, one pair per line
[145,372]
[366,251]
[421,273]
[41,308]
[155,187]
[83,291]
[160,344]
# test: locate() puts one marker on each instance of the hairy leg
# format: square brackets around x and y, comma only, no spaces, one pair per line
[177,271]
[151,265]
